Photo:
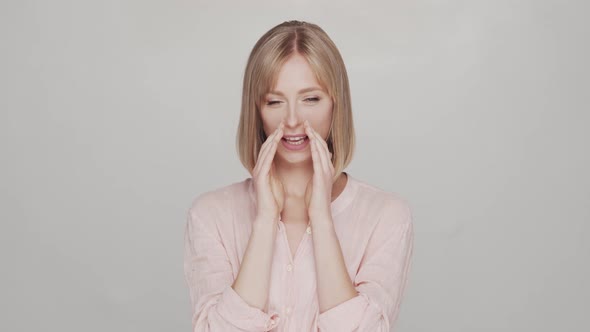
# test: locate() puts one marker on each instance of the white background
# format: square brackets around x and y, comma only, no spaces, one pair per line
[114,115]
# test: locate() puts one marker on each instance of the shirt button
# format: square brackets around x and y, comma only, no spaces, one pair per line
[273,321]
[289,267]
[308,230]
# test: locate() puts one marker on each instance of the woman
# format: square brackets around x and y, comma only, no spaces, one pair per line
[301,245]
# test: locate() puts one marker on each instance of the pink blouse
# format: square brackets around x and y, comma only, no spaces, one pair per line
[375,231]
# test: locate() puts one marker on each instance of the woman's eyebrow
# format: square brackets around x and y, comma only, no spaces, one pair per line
[312,88]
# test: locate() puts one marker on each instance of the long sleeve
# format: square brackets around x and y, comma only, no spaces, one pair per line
[208,275]
[381,279]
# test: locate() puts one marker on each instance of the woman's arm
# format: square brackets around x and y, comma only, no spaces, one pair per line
[374,302]
[216,305]
[253,280]
[333,282]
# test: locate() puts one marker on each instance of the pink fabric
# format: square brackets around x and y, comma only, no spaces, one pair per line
[375,231]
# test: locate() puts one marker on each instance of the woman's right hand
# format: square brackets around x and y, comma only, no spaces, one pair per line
[270,195]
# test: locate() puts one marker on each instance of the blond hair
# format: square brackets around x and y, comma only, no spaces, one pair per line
[270,52]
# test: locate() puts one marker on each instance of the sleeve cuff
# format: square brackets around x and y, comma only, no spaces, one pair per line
[239,313]
[344,317]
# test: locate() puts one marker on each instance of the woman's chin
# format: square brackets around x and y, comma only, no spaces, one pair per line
[294,157]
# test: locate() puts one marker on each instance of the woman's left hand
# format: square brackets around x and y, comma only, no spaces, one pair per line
[318,194]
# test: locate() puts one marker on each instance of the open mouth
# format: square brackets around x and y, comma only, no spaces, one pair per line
[295,141]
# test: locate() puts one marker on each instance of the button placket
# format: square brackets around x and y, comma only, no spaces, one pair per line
[273,321]
[290,267]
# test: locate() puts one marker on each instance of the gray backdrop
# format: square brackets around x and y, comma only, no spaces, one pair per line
[116,114]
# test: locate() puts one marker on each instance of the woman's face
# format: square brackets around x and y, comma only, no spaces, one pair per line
[297,97]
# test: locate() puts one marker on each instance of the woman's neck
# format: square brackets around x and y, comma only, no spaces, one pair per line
[295,178]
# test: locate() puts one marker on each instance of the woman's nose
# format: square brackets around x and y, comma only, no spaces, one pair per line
[293,118]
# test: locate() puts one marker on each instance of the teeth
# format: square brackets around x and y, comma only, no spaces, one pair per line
[295,142]
[294,139]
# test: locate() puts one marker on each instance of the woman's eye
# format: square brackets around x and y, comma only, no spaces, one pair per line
[310,99]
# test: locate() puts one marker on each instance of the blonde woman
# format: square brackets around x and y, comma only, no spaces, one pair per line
[301,245]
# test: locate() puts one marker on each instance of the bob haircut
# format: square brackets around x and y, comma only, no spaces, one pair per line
[267,57]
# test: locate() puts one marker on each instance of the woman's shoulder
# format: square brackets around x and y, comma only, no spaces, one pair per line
[389,204]
[219,198]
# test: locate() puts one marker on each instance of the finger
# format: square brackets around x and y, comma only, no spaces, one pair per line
[268,161]
[264,148]
[323,157]
[320,138]
[317,167]
[328,154]
[262,153]
[322,149]
[271,140]
[271,151]
[328,157]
